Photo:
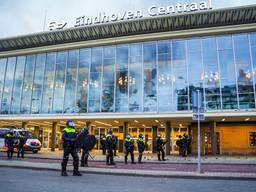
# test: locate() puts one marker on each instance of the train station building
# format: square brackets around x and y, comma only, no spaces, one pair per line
[137,75]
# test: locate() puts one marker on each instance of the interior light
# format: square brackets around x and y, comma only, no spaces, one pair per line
[156,121]
[223,119]
[247,119]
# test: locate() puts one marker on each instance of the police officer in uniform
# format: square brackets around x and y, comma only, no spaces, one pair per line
[85,152]
[69,136]
[129,148]
[160,148]
[110,148]
[9,141]
[22,141]
[141,147]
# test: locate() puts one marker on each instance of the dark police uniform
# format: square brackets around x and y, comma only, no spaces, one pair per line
[129,148]
[160,148]
[22,141]
[9,141]
[69,136]
[110,149]
[103,144]
[141,147]
[85,152]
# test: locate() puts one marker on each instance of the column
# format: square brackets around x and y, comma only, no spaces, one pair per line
[167,137]
[121,140]
[89,126]
[53,138]
[24,124]
[125,133]
[154,135]
[212,126]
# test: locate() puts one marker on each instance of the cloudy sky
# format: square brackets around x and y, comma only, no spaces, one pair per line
[19,17]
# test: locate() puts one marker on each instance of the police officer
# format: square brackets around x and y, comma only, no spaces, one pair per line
[103,144]
[141,147]
[110,148]
[9,142]
[69,136]
[160,147]
[129,148]
[85,151]
[22,141]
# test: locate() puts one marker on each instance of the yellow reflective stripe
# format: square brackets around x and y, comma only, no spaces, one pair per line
[69,130]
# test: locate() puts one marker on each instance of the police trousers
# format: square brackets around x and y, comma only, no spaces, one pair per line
[73,152]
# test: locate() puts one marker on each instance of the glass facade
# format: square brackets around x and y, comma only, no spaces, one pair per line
[157,76]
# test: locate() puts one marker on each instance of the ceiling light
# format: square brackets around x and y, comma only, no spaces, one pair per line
[136,121]
[99,122]
[144,125]
[223,119]
[180,125]
[162,125]
[247,119]
[156,121]
[116,121]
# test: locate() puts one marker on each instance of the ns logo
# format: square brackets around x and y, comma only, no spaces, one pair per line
[54,25]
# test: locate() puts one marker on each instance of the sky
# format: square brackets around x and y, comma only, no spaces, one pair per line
[21,17]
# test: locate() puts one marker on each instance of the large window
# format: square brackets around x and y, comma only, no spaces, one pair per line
[7,91]
[155,77]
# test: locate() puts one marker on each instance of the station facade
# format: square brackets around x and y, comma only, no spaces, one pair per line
[137,76]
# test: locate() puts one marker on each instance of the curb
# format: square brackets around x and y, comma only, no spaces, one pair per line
[138,173]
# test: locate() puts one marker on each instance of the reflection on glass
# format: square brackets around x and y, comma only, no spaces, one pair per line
[38,83]
[7,91]
[83,79]
[150,77]
[48,83]
[95,80]
[121,97]
[58,99]
[71,79]
[28,84]
[17,86]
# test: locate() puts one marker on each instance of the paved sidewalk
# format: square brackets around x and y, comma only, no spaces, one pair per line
[131,170]
[148,157]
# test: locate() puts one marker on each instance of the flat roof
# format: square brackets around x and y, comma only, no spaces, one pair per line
[176,22]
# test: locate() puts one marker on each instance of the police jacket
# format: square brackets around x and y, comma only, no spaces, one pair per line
[69,136]
[110,142]
[160,143]
[141,144]
[129,145]
[9,140]
[22,140]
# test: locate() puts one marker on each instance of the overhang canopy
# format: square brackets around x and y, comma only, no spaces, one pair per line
[203,19]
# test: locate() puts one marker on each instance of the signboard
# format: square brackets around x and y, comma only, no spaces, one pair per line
[197,105]
[199,116]
[152,11]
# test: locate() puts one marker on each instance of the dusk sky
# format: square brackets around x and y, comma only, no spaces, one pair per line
[20,17]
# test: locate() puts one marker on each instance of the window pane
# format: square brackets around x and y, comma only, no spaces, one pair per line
[71,79]
[58,100]
[7,91]
[18,82]
[83,79]
[38,83]
[28,84]
[48,83]
[3,63]
[135,78]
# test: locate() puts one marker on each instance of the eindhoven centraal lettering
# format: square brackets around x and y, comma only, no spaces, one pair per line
[152,11]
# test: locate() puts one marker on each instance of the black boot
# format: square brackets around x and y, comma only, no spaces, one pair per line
[132,158]
[76,173]
[63,169]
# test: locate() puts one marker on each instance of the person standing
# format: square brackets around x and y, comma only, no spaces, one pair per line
[103,144]
[141,147]
[129,148]
[22,141]
[85,151]
[110,148]
[69,136]
[9,142]
[160,148]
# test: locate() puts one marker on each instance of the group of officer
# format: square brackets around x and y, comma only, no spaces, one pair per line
[184,144]
[12,140]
